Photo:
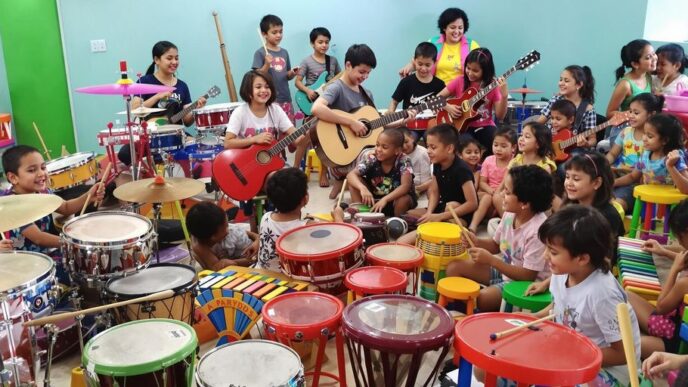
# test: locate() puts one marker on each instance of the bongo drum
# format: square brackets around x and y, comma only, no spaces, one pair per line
[307,316]
[155,278]
[253,363]
[71,171]
[373,227]
[108,243]
[400,256]
[389,335]
[371,280]
[155,352]
[441,244]
[321,253]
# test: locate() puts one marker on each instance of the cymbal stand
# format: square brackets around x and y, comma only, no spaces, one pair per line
[76,301]
[5,374]
[157,207]
[51,331]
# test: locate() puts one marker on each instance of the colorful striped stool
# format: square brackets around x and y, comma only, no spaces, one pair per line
[663,197]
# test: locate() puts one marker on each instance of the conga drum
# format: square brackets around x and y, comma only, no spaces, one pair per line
[441,244]
[400,256]
[388,337]
[371,280]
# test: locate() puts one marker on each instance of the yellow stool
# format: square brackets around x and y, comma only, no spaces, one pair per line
[78,379]
[663,196]
[458,288]
[312,163]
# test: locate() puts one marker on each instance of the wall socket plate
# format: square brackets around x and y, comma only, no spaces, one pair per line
[98,45]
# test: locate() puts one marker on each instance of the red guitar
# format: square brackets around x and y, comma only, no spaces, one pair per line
[472,99]
[241,173]
[564,139]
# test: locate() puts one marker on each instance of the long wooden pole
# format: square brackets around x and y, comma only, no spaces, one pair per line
[225,61]
[45,148]
[62,316]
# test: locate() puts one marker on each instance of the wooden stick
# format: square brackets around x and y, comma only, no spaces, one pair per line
[106,174]
[508,332]
[666,76]
[2,235]
[225,60]
[62,316]
[463,229]
[102,180]
[341,194]
[262,40]
[45,148]
[627,340]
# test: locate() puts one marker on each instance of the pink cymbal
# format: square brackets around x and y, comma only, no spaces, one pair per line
[125,89]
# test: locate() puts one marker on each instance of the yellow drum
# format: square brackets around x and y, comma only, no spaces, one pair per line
[441,244]
[70,171]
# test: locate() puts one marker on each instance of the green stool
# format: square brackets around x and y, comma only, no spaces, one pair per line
[513,295]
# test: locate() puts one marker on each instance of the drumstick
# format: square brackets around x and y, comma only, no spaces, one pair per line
[341,193]
[106,174]
[627,340]
[62,316]
[88,197]
[458,222]
[45,148]
[499,335]
[666,76]
[262,40]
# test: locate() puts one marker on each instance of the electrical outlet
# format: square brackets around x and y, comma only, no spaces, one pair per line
[98,45]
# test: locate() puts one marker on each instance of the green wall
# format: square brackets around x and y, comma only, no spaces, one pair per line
[36,73]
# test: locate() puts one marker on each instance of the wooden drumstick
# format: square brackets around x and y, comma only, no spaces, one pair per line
[62,316]
[463,229]
[262,40]
[45,148]
[627,340]
[341,193]
[499,335]
[666,76]
[106,174]
[102,180]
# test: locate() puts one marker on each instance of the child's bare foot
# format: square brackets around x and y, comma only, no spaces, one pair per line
[336,187]
[324,180]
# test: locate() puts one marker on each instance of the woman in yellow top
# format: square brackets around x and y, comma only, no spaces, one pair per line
[452,46]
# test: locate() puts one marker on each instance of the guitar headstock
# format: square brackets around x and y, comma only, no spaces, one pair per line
[433,103]
[213,92]
[528,61]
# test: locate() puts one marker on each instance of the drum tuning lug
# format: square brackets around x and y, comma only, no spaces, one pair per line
[271,330]
[298,336]
[325,332]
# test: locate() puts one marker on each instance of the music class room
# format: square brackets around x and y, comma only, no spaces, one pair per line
[386,193]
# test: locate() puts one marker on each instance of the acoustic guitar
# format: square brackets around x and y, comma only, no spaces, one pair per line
[564,139]
[303,102]
[169,118]
[240,173]
[337,144]
[471,99]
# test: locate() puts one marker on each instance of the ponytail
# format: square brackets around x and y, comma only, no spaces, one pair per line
[650,102]
[630,53]
[151,69]
[159,49]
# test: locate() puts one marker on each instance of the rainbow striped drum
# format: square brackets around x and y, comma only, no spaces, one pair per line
[441,244]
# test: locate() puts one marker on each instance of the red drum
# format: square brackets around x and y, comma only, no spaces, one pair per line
[373,227]
[388,336]
[370,280]
[117,136]
[321,253]
[214,117]
[400,256]
[423,120]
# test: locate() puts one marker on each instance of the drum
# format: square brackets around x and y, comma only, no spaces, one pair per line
[213,117]
[388,337]
[373,227]
[253,363]
[155,352]
[355,208]
[166,138]
[370,280]
[24,277]
[117,136]
[516,111]
[424,120]
[396,227]
[70,171]
[321,253]
[155,278]
[370,217]
[66,342]
[400,256]
[441,244]
[100,245]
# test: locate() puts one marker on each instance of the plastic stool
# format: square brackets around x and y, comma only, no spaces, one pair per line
[312,162]
[458,289]
[651,194]
[513,294]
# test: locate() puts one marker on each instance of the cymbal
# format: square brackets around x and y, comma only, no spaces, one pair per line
[125,89]
[524,90]
[159,190]
[19,210]
[142,111]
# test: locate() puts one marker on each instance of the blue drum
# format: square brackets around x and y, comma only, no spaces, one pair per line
[166,138]
[198,152]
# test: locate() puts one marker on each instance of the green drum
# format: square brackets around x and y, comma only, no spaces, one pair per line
[154,352]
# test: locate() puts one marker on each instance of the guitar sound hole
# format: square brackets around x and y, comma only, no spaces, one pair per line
[263,157]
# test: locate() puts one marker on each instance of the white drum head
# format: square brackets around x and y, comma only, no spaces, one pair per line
[394,253]
[152,280]
[219,107]
[107,227]
[18,268]
[141,342]
[69,161]
[253,363]
[319,239]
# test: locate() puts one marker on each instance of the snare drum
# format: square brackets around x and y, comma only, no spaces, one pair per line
[253,363]
[70,171]
[155,278]
[423,120]
[104,244]
[213,117]
[517,112]
[321,253]
[166,138]
[117,136]
[155,352]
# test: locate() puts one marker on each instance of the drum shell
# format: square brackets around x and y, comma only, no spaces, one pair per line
[166,141]
[373,233]
[23,337]
[74,174]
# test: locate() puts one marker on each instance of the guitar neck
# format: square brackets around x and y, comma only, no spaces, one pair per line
[567,143]
[487,89]
[389,118]
[175,118]
[283,143]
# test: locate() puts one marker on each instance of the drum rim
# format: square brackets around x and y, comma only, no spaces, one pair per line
[393,342]
[357,286]
[208,108]
[305,328]
[406,264]
[71,240]
[26,287]
[324,256]
[91,157]
[139,369]
[127,296]
[440,239]
[202,383]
